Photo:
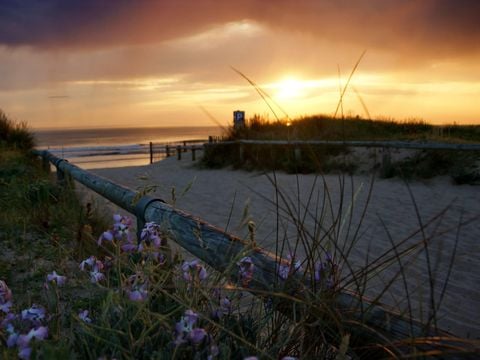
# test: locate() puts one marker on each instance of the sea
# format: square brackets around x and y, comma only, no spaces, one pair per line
[117,147]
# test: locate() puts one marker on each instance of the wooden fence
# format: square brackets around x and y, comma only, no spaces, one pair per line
[220,250]
[170,149]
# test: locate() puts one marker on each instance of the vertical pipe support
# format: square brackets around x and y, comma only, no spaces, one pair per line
[45,163]
[151,152]
[60,174]
[167,150]
[297,153]
[241,152]
[140,208]
[179,152]
[193,154]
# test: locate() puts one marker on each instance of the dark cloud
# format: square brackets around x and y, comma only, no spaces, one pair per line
[433,27]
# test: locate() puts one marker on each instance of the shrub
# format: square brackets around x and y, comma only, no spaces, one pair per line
[15,135]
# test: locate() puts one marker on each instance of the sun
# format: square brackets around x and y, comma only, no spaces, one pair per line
[289,88]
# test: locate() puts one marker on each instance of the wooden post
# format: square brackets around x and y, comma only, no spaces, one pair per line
[179,152]
[298,154]
[151,153]
[167,150]
[240,152]
[185,146]
[60,177]
[193,154]
[45,164]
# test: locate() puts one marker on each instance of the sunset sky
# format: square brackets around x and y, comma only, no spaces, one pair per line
[105,63]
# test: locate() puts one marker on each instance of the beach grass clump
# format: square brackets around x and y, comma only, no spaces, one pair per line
[461,166]
[293,156]
[15,134]
[324,127]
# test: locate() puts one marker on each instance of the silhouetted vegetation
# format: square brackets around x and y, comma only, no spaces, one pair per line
[15,134]
[323,127]
[461,166]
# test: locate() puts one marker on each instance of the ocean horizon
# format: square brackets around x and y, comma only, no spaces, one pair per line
[116,147]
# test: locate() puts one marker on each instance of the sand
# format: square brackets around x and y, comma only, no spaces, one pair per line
[228,199]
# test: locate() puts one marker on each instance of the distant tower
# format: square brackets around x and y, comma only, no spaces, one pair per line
[238,119]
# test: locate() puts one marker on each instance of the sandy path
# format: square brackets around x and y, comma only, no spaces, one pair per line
[214,194]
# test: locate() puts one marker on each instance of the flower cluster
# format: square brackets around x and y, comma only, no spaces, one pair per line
[186,332]
[288,268]
[325,272]
[5,297]
[151,234]
[224,306]
[95,267]
[137,287]
[119,230]
[150,242]
[24,327]
[56,279]
[193,270]
[245,272]
[83,315]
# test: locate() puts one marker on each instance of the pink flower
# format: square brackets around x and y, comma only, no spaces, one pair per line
[5,293]
[83,315]
[12,339]
[23,341]
[285,269]
[34,314]
[24,353]
[6,322]
[245,273]
[96,276]
[5,307]
[151,234]
[318,270]
[58,279]
[185,331]
[137,288]
[121,226]
[90,262]
[197,335]
[40,333]
[139,294]
[95,266]
[107,235]
[194,268]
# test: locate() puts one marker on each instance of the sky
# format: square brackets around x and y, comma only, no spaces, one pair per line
[102,63]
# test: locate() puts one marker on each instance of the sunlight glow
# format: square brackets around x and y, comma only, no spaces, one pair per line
[289,88]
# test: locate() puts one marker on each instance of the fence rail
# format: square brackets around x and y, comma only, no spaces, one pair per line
[220,250]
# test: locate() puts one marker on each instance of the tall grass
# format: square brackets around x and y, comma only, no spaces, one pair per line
[462,167]
[324,127]
[15,134]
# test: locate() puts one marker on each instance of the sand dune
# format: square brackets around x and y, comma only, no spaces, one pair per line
[223,197]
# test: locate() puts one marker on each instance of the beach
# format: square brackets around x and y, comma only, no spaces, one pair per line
[368,215]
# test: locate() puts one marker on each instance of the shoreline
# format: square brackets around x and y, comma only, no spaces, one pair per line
[215,194]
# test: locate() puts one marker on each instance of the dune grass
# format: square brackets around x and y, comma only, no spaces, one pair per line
[15,134]
[462,167]
[324,127]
